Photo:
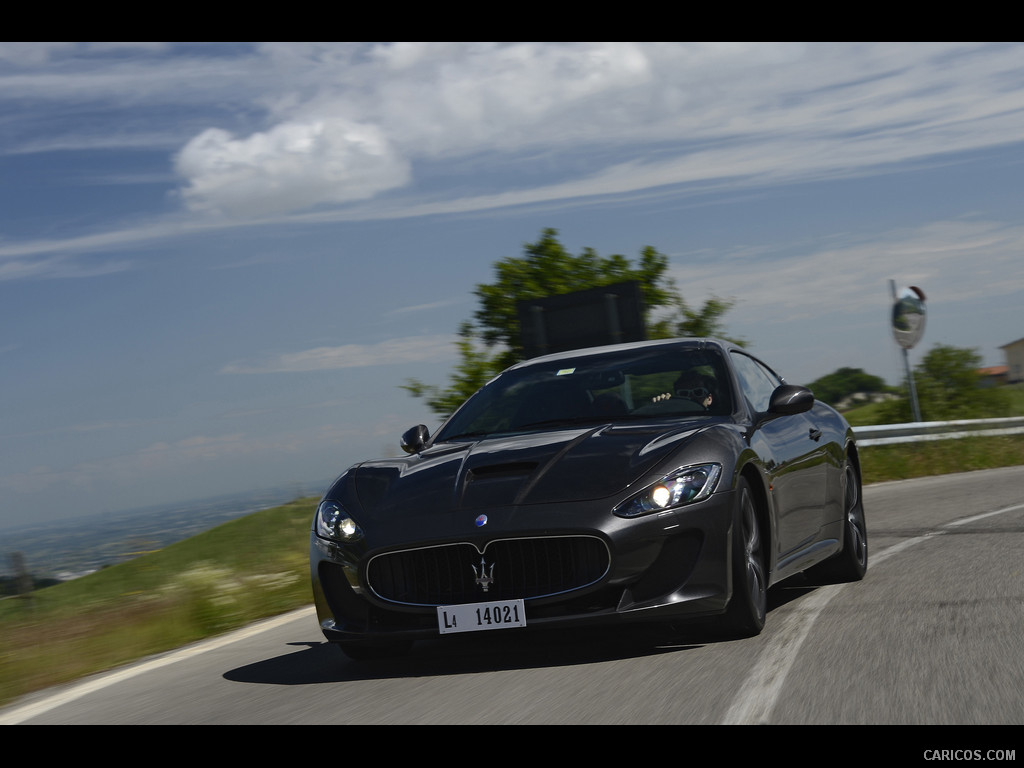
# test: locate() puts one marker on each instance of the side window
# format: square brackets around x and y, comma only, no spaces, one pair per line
[756,381]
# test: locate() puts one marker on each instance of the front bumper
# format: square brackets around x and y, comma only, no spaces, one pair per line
[667,567]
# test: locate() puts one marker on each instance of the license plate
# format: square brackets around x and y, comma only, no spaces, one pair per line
[474,617]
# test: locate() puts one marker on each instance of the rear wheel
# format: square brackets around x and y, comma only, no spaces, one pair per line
[748,605]
[852,561]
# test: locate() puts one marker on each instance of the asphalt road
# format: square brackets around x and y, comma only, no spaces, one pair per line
[933,635]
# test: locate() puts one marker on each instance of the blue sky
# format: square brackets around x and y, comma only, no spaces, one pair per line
[218,262]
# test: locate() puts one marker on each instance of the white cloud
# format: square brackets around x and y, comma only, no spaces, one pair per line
[322,130]
[293,166]
[950,260]
[35,53]
[711,111]
[426,307]
[56,267]
[411,349]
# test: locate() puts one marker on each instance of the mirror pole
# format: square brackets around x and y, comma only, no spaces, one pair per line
[915,407]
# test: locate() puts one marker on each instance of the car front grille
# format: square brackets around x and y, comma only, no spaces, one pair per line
[506,569]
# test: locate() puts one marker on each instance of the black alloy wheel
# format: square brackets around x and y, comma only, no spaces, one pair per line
[748,605]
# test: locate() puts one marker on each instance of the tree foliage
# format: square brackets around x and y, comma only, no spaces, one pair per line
[949,386]
[490,342]
[843,383]
[475,368]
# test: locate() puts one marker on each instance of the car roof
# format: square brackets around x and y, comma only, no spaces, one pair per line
[692,343]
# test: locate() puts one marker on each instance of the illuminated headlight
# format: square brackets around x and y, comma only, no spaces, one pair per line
[684,486]
[333,522]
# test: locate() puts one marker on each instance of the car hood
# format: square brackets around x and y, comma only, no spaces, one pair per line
[540,468]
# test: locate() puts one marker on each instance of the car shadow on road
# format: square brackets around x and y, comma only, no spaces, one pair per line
[321,662]
[313,662]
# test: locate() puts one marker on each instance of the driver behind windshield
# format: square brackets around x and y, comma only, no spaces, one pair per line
[692,386]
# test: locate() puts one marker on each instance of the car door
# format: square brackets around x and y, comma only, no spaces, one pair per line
[795,458]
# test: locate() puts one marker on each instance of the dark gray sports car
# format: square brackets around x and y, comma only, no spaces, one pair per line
[657,481]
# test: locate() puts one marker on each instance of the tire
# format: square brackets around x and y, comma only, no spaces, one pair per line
[852,561]
[748,606]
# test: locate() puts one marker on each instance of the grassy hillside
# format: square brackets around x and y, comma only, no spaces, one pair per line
[257,567]
[238,572]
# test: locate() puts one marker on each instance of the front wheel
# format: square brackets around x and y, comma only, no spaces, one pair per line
[745,614]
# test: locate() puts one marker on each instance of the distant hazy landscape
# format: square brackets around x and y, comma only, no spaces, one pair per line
[65,549]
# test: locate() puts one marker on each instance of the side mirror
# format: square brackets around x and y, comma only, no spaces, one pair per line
[414,439]
[789,399]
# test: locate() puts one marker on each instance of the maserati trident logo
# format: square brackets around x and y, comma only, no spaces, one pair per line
[484,576]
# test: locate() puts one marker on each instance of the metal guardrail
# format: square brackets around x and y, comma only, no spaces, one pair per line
[885,434]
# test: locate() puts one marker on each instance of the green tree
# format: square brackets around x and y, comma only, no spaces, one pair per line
[491,341]
[948,384]
[475,368]
[844,382]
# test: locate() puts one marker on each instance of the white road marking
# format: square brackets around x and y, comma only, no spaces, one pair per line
[753,703]
[756,698]
[27,711]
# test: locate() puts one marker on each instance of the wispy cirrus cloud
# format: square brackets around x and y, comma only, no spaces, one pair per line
[964,259]
[390,352]
[347,131]
[681,113]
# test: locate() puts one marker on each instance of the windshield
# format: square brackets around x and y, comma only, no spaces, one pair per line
[647,382]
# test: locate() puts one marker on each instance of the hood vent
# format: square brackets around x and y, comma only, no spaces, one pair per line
[496,484]
[510,469]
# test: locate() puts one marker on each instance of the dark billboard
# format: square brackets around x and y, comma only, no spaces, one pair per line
[607,315]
